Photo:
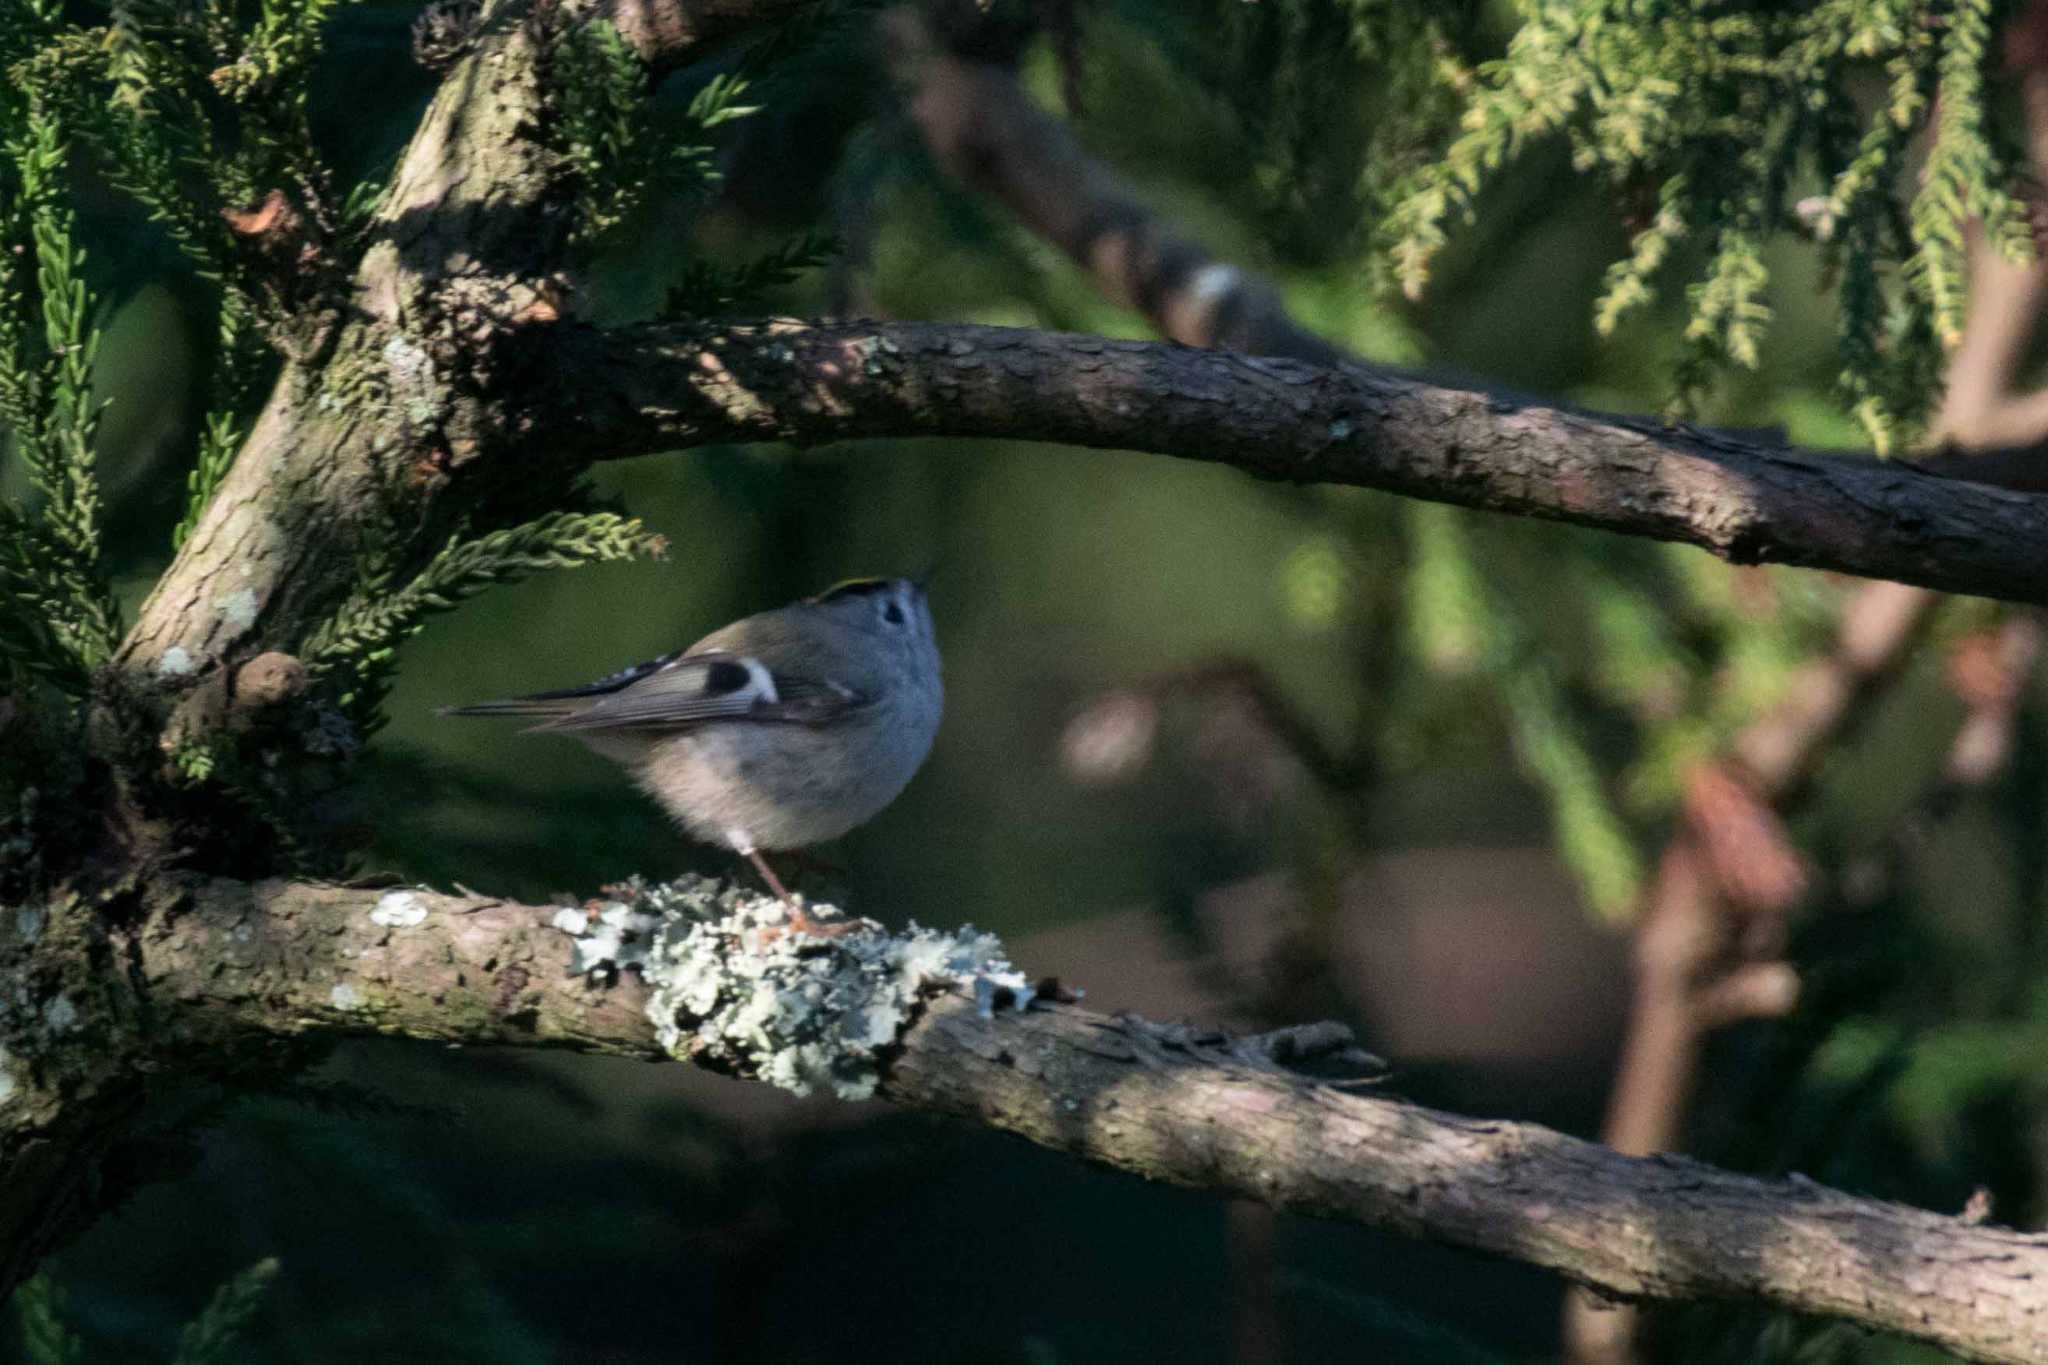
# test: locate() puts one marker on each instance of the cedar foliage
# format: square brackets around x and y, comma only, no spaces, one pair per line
[1368,132]
[1729,124]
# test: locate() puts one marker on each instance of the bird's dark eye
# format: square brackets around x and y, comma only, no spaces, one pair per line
[893,614]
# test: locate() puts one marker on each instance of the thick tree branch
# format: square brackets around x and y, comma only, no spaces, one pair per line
[1168,1103]
[599,394]
[451,378]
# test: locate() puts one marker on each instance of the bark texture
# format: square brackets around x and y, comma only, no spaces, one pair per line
[598,394]
[454,369]
[226,960]
[359,444]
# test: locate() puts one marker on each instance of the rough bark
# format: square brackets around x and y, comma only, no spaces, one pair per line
[228,959]
[358,445]
[635,390]
[452,374]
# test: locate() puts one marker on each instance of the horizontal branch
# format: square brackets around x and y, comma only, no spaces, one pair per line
[602,394]
[1166,1103]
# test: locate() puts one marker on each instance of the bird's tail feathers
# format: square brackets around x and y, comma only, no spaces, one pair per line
[513,706]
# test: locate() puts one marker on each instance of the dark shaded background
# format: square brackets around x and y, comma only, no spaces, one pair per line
[579,1211]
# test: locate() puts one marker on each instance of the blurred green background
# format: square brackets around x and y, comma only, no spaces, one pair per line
[1512,701]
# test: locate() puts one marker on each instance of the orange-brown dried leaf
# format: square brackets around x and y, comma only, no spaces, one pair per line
[1981,670]
[270,218]
[1747,849]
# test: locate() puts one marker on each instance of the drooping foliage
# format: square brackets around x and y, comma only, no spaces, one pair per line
[58,619]
[1337,144]
[1719,127]
[211,1338]
[199,116]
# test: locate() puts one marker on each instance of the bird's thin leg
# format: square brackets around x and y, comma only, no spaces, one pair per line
[774,882]
[799,921]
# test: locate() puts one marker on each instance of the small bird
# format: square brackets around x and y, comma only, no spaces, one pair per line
[782,730]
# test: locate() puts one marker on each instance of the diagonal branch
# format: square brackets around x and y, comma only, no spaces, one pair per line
[604,394]
[986,132]
[1167,1103]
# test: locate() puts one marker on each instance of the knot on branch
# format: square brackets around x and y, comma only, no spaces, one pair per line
[268,680]
[804,1002]
[1283,1050]
[444,32]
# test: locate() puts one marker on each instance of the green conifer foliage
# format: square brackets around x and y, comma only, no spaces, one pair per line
[605,132]
[358,644]
[209,1339]
[1744,121]
[58,619]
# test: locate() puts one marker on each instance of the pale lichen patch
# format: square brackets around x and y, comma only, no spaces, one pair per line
[8,1085]
[60,1016]
[399,910]
[412,379]
[238,609]
[345,996]
[29,921]
[732,983]
[176,663]
[609,936]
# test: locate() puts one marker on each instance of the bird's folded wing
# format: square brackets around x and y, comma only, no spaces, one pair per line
[704,687]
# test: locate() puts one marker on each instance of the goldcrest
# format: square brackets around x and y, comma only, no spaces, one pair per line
[782,730]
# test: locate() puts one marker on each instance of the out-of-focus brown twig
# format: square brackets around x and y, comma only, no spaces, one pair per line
[1704,945]
[985,131]
[668,33]
[1257,745]
[1112,736]
[1989,670]
[1707,946]
[1708,950]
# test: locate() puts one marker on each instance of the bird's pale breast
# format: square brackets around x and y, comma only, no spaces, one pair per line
[788,786]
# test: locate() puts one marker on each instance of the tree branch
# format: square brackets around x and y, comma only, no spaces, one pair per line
[667,33]
[987,133]
[1168,1103]
[596,394]
[448,376]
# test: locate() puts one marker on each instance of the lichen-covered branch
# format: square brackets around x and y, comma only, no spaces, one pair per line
[453,370]
[227,960]
[600,394]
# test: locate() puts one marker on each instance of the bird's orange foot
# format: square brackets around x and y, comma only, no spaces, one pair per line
[801,921]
